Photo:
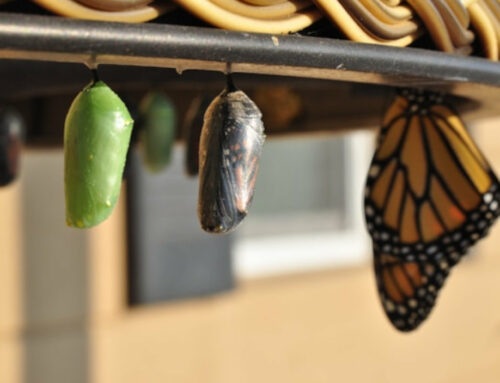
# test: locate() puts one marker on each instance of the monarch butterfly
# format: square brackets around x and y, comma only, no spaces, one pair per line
[430,195]
[158,127]
[230,147]
[96,139]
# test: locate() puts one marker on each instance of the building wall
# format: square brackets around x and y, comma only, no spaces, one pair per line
[10,285]
[314,327]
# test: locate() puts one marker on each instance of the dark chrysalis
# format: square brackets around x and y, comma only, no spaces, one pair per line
[192,128]
[230,147]
[11,133]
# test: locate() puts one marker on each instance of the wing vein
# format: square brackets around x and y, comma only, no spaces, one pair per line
[439,177]
[452,153]
[458,136]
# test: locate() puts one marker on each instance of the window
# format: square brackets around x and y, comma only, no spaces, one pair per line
[306,215]
[307,210]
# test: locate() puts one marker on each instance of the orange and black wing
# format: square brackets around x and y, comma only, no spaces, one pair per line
[430,195]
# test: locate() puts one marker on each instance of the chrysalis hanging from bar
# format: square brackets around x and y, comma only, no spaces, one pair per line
[97,134]
[192,132]
[158,125]
[230,147]
[11,137]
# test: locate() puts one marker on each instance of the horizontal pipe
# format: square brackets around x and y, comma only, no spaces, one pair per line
[52,38]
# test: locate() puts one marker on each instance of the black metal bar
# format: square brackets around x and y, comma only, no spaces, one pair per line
[51,38]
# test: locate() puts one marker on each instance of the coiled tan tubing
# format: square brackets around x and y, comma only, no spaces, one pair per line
[70,8]
[252,18]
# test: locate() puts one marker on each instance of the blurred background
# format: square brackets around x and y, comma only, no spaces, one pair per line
[290,296]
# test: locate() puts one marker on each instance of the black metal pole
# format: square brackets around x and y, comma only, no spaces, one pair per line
[52,38]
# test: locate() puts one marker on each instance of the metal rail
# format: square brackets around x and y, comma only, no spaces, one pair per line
[51,38]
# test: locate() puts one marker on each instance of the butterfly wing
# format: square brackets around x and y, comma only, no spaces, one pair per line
[430,195]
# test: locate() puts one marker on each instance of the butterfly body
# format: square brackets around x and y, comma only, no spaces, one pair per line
[430,195]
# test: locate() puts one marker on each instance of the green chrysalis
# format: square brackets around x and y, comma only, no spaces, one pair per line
[96,139]
[158,127]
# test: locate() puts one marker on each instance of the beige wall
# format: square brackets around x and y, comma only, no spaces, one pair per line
[319,327]
[11,288]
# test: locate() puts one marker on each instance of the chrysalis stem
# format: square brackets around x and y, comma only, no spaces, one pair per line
[229,79]
[95,75]
[229,83]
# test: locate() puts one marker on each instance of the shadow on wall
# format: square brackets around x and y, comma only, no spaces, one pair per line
[55,277]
